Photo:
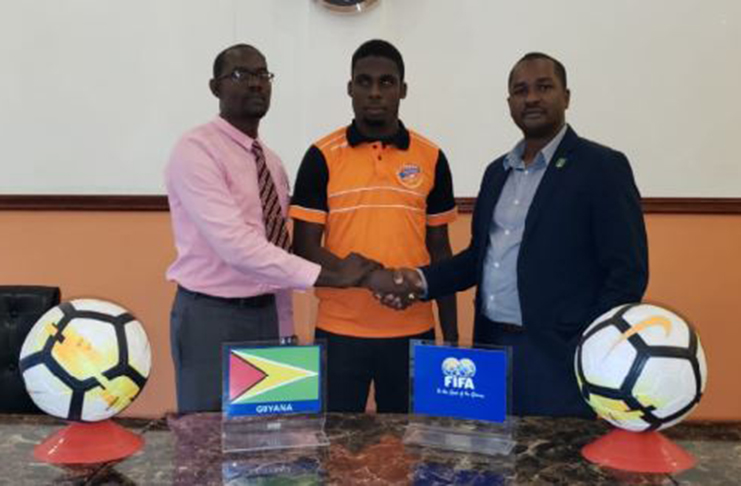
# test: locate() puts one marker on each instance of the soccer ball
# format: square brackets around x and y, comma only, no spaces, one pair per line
[641,367]
[85,360]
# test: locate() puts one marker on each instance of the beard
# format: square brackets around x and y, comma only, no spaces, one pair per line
[539,130]
[256,109]
[256,113]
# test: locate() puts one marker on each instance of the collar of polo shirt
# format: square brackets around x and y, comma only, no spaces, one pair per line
[400,139]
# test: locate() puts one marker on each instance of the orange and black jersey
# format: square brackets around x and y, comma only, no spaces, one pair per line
[376,198]
[312,187]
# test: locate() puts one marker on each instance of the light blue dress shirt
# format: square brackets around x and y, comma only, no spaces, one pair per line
[501,299]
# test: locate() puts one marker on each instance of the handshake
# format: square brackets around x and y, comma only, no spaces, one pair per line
[396,288]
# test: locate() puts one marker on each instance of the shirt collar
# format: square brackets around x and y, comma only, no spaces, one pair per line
[542,159]
[234,133]
[400,139]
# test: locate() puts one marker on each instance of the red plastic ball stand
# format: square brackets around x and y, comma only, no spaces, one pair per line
[644,452]
[88,443]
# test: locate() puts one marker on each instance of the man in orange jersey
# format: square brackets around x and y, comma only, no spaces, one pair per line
[377,189]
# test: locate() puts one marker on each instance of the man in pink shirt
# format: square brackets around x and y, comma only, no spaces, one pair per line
[233,268]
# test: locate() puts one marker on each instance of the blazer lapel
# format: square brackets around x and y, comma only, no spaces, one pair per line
[489,202]
[548,187]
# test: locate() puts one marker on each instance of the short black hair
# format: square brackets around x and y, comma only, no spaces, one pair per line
[219,61]
[530,56]
[378,48]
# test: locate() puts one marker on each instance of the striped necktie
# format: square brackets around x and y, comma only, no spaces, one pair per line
[276,230]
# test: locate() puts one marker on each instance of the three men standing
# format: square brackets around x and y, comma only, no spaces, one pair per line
[558,237]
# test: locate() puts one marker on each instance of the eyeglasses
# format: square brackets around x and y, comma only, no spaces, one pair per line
[241,75]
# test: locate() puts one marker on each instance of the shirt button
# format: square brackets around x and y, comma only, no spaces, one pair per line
[496,264]
[506,232]
[379,157]
[517,201]
[527,172]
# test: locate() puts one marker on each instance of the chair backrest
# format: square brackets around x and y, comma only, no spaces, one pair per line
[20,308]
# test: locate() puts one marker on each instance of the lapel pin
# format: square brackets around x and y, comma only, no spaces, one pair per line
[560,163]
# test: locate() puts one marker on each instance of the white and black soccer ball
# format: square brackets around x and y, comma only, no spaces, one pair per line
[85,360]
[641,367]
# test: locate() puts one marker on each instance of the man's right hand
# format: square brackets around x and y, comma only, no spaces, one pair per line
[354,268]
[348,272]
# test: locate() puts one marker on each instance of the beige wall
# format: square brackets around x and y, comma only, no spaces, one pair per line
[122,256]
[457,53]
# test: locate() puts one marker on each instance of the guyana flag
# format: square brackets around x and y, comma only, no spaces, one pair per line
[272,380]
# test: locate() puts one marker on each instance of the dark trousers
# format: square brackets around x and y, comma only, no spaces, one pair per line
[353,363]
[543,378]
[199,326]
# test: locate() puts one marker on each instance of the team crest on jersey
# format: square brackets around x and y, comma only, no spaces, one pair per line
[410,175]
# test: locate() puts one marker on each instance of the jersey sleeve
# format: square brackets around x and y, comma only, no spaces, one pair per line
[441,208]
[309,201]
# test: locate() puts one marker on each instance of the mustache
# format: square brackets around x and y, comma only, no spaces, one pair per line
[533,111]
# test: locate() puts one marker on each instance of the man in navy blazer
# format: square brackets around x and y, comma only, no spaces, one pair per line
[557,239]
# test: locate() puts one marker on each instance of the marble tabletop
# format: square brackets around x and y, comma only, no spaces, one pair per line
[365,449]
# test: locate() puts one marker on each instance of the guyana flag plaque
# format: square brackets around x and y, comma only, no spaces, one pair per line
[272,380]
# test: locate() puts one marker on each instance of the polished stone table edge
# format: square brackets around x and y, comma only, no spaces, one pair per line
[713,441]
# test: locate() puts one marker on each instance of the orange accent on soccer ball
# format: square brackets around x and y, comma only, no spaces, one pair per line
[660,321]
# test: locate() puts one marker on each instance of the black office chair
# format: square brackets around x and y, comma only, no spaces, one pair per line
[20,308]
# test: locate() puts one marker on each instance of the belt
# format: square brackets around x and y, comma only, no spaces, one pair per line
[507,327]
[256,301]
